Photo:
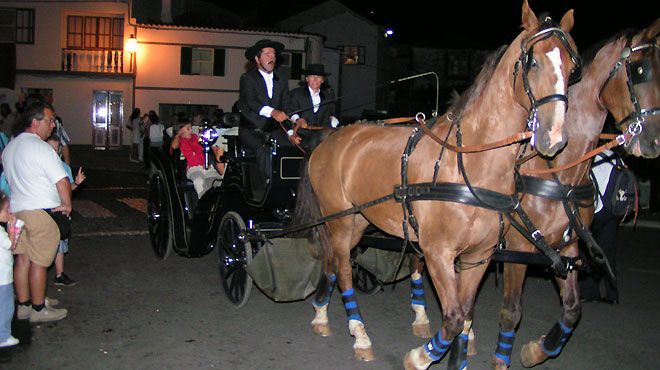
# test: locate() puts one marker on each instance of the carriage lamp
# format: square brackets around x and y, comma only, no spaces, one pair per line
[389,32]
[207,137]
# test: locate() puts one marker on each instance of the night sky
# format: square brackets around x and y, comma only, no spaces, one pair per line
[473,24]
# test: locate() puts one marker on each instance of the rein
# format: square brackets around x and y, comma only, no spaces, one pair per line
[616,141]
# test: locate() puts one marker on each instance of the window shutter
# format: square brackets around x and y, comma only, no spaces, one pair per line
[296,66]
[186,60]
[219,62]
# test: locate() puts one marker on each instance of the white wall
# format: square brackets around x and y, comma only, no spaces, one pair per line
[72,99]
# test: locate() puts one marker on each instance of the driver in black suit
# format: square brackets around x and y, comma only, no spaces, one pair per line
[261,101]
[312,107]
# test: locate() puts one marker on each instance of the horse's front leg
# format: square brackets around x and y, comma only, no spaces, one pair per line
[441,269]
[421,327]
[510,313]
[551,344]
[468,284]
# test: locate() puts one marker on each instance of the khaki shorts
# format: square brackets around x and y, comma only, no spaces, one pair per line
[40,237]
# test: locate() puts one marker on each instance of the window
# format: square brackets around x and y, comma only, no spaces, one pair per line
[102,33]
[25,26]
[291,63]
[202,61]
[353,54]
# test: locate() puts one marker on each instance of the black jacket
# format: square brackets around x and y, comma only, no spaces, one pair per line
[300,102]
[254,96]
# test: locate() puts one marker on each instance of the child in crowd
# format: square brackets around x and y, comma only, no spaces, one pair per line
[60,277]
[8,240]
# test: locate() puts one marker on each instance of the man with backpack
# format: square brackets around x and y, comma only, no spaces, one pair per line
[615,199]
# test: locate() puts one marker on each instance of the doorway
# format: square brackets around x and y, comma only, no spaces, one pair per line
[107,118]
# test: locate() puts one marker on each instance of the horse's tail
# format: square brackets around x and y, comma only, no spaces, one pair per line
[308,209]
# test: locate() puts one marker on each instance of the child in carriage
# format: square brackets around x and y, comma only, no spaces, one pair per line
[188,142]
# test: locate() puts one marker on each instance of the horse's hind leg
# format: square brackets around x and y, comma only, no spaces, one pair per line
[510,314]
[551,344]
[346,233]
[320,324]
[421,326]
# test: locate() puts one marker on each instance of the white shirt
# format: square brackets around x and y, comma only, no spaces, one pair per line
[6,259]
[32,168]
[268,77]
[602,168]
[316,102]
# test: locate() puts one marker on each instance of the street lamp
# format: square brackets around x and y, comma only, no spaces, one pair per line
[131,46]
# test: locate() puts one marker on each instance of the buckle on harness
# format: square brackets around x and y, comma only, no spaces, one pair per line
[401,193]
[536,235]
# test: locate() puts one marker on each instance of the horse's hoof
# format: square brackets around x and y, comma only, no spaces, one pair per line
[416,359]
[532,354]
[472,348]
[322,330]
[422,330]
[498,364]
[365,354]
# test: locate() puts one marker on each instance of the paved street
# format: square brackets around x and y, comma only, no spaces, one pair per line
[130,310]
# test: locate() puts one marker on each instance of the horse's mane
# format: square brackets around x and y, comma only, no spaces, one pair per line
[459,103]
[590,53]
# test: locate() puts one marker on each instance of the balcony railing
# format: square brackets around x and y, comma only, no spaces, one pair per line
[100,61]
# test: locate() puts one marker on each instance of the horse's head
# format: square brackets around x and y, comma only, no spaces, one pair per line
[632,92]
[547,60]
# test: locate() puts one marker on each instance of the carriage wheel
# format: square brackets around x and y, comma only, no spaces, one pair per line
[234,254]
[158,212]
[364,281]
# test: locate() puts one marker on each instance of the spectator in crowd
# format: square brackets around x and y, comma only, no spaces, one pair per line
[63,141]
[38,183]
[152,119]
[312,107]
[134,125]
[7,244]
[188,143]
[6,119]
[61,278]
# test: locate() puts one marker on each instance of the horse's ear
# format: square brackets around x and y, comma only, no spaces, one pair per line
[529,20]
[566,23]
[653,30]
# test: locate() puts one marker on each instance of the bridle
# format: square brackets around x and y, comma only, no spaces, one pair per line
[526,61]
[636,72]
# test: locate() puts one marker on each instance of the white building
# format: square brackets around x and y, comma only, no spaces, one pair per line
[74,52]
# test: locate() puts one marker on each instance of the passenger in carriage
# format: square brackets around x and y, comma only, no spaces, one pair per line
[312,106]
[263,91]
[192,150]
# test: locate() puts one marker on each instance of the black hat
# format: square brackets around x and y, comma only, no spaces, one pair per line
[253,50]
[316,70]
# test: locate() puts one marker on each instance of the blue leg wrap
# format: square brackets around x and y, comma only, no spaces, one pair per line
[351,306]
[437,347]
[505,346]
[417,295]
[458,355]
[324,291]
[556,338]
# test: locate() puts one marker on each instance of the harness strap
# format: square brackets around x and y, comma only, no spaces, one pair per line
[476,148]
[529,231]
[611,144]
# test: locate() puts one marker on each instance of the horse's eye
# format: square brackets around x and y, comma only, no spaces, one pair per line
[532,62]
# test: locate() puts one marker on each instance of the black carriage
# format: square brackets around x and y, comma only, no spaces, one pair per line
[231,215]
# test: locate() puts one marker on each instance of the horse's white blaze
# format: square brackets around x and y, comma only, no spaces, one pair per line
[560,107]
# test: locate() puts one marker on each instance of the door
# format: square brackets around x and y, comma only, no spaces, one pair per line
[107,118]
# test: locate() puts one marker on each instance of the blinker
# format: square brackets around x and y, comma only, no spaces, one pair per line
[641,71]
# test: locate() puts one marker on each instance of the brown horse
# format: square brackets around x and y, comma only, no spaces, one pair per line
[360,163]
[640,66]
[597,93]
